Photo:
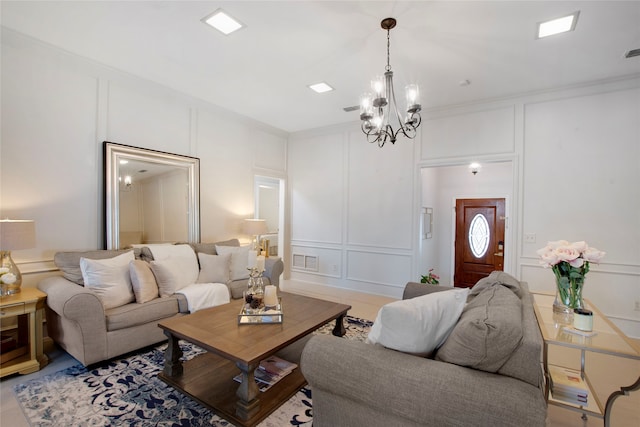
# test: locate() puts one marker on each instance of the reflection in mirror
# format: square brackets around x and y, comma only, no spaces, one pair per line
[150,196]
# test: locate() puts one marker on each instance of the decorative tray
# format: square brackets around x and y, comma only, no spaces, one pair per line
[264,316]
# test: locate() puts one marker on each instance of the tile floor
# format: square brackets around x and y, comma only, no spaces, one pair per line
[611,372]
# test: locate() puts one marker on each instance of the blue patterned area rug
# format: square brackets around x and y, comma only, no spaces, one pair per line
[127,391]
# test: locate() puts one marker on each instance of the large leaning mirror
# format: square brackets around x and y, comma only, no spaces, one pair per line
[150,196]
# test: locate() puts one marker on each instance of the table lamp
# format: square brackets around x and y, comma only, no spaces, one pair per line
[14,235]
[255,228]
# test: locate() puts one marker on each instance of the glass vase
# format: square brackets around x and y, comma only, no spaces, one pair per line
[10,277]
[568,295]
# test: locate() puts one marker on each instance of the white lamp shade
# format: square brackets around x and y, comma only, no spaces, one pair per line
[255,227]
[17,234]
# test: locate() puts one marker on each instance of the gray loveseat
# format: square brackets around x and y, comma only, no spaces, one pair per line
[360,384]
[79,323]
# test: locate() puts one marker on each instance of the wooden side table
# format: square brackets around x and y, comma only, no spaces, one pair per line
[28,355]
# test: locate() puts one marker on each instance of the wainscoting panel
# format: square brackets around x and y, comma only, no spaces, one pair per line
[317,261]
[379,268]
[148,120]
[488,131]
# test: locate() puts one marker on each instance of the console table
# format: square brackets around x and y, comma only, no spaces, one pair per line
[607,340]
[27,305]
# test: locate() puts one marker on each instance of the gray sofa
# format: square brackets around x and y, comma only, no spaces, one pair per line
[360,384]
[78,322]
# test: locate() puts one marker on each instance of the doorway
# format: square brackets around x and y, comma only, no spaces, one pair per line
[269,205]
[479,239]
[440,187]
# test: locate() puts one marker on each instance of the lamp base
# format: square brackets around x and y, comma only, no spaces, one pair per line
[10,277]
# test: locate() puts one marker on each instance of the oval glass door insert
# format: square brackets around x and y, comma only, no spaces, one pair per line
[479,235]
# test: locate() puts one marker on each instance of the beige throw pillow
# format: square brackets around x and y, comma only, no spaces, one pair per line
[418,325]
[239,260]
[143,281]
[109,279]
[214,268]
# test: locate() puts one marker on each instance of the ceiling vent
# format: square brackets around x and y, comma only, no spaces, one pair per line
[352,108]
[632,53]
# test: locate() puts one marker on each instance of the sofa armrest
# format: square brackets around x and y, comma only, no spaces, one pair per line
[414,289]
[273,268]
[71,301]
[76,304]
[417,390]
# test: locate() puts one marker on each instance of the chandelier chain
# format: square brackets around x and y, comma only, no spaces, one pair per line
[388,67]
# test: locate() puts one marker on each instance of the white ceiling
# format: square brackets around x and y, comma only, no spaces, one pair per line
[263,70]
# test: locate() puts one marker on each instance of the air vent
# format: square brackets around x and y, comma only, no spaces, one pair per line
[632,53]
[352,108]
[304,262]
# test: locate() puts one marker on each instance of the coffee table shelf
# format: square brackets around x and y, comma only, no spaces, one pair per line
[208,379]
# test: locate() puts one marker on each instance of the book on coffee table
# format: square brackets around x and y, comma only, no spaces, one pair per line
[277,366]
[269,372]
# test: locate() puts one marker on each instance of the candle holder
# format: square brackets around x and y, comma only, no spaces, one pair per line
[254,310]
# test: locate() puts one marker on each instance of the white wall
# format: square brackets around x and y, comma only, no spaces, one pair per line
[573,160]
[57,108]
[352,208]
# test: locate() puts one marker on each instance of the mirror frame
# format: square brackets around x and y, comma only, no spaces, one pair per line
[113,153]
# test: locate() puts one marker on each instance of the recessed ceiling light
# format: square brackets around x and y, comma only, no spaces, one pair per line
[558,25]
[321,87]
[223,22]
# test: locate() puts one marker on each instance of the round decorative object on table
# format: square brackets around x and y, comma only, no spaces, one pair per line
[583,319]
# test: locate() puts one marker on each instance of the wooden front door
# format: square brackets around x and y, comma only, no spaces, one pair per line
[479,245]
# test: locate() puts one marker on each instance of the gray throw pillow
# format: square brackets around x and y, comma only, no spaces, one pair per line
[489,330]
[497,278]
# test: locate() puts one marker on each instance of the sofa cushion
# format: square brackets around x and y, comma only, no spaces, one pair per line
[130,315]
[239,260]
[69,262]
[489,330]
[109,279]
[214,268]
[418,325]
[143,281]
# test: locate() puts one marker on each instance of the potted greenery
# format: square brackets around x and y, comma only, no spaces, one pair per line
[431,278]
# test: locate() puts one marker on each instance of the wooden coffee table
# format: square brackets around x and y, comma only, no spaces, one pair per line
[232,349]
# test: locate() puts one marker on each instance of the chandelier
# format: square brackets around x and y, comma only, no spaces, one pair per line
[378,109]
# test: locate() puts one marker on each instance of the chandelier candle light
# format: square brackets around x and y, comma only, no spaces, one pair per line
[377,109]
[570,264]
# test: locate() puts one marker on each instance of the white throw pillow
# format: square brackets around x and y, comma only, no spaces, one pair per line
[418,325]
[173,274]
[143,281]
[214,268]
[239,260]
[109,279]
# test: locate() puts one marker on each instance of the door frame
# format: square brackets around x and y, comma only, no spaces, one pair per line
[512,210]
[508,253]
